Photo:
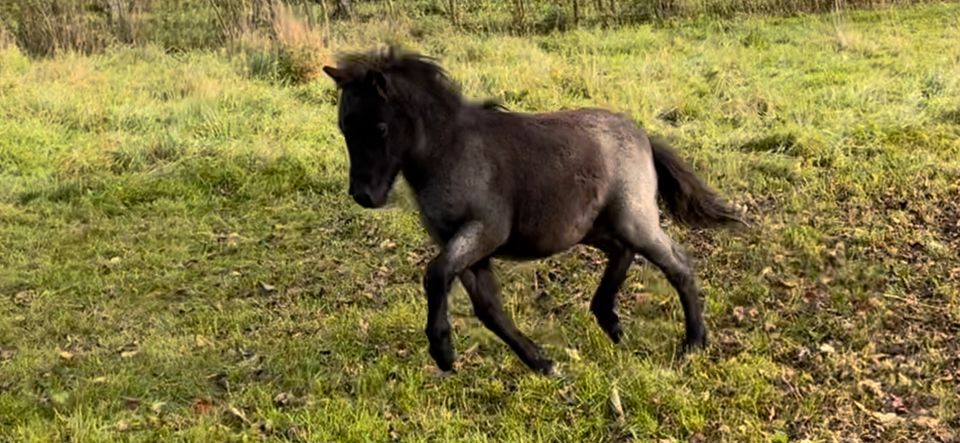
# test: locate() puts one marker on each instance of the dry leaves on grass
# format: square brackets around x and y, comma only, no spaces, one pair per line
[202,406]
[616,406]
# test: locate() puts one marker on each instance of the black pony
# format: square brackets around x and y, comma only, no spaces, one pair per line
[491,183]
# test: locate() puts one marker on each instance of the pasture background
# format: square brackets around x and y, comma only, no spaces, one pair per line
[179,259]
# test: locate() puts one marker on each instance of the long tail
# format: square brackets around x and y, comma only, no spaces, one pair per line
[688,198]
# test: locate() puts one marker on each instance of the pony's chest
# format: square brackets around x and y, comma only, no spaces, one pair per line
[441,213]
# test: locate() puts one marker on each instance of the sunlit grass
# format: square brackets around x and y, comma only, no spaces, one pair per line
[180,259]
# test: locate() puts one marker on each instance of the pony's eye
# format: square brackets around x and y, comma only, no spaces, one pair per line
[382,128]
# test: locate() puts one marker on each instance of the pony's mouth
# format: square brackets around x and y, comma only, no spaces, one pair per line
[370,199]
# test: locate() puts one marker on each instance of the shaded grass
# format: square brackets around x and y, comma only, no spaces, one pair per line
[180,260]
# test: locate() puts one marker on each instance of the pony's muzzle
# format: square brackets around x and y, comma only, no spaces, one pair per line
[367,196]
[362,197]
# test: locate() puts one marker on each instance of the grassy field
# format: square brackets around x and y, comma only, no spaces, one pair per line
[179,258]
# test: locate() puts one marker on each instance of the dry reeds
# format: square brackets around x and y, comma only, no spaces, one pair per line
[281,41]
[45,28]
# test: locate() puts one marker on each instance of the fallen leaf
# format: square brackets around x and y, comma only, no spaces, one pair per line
[642,297]
[60,397]
[827,349]
[738,313]
[282,399]
[887,418]
[202,341]
[131,403]
[238,414]
[122,425]
[232,239]
[202,406]
[897,403]
[872,386]
[927,421]
[469,351]
[23,298]
[616,405]
[267,288]
[66,355]
[788,283]
[157,406]
[128,350]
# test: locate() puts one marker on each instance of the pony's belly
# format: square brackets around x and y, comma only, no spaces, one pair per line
[537,242]
[520,250]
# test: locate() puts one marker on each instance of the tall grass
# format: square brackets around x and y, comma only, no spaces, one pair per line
[290,48]
[281,40]
[44,28]
[6,39]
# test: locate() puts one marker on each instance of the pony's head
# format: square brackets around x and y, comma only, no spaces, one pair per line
[387,97]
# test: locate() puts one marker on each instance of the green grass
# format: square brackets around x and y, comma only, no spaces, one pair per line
[179,258]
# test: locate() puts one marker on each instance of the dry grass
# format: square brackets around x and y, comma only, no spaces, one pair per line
[126,19]
[51,27]
[300,31]
[301,45]
[290,46]
[46,28]
[688,8]
[6,39]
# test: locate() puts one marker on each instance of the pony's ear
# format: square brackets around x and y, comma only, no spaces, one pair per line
[336,74]
[379,83]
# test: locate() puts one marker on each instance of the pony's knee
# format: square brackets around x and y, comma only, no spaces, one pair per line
[436,279]
[681,256]
[437,330]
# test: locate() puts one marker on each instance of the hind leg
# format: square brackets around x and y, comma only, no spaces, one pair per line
[662,251]
[604,303]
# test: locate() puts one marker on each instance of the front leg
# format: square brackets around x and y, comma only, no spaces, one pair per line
[472,243]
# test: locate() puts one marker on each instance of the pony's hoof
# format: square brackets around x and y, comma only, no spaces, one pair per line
[609,324]
[550,369]
[443,357]
[693,346]
[615,334]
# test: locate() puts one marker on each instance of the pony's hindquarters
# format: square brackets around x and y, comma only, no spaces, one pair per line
[642,169]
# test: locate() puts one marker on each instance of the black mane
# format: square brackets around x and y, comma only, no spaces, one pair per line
[492,104]
[414,80]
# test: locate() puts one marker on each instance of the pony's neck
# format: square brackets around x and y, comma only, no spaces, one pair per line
[435,138]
